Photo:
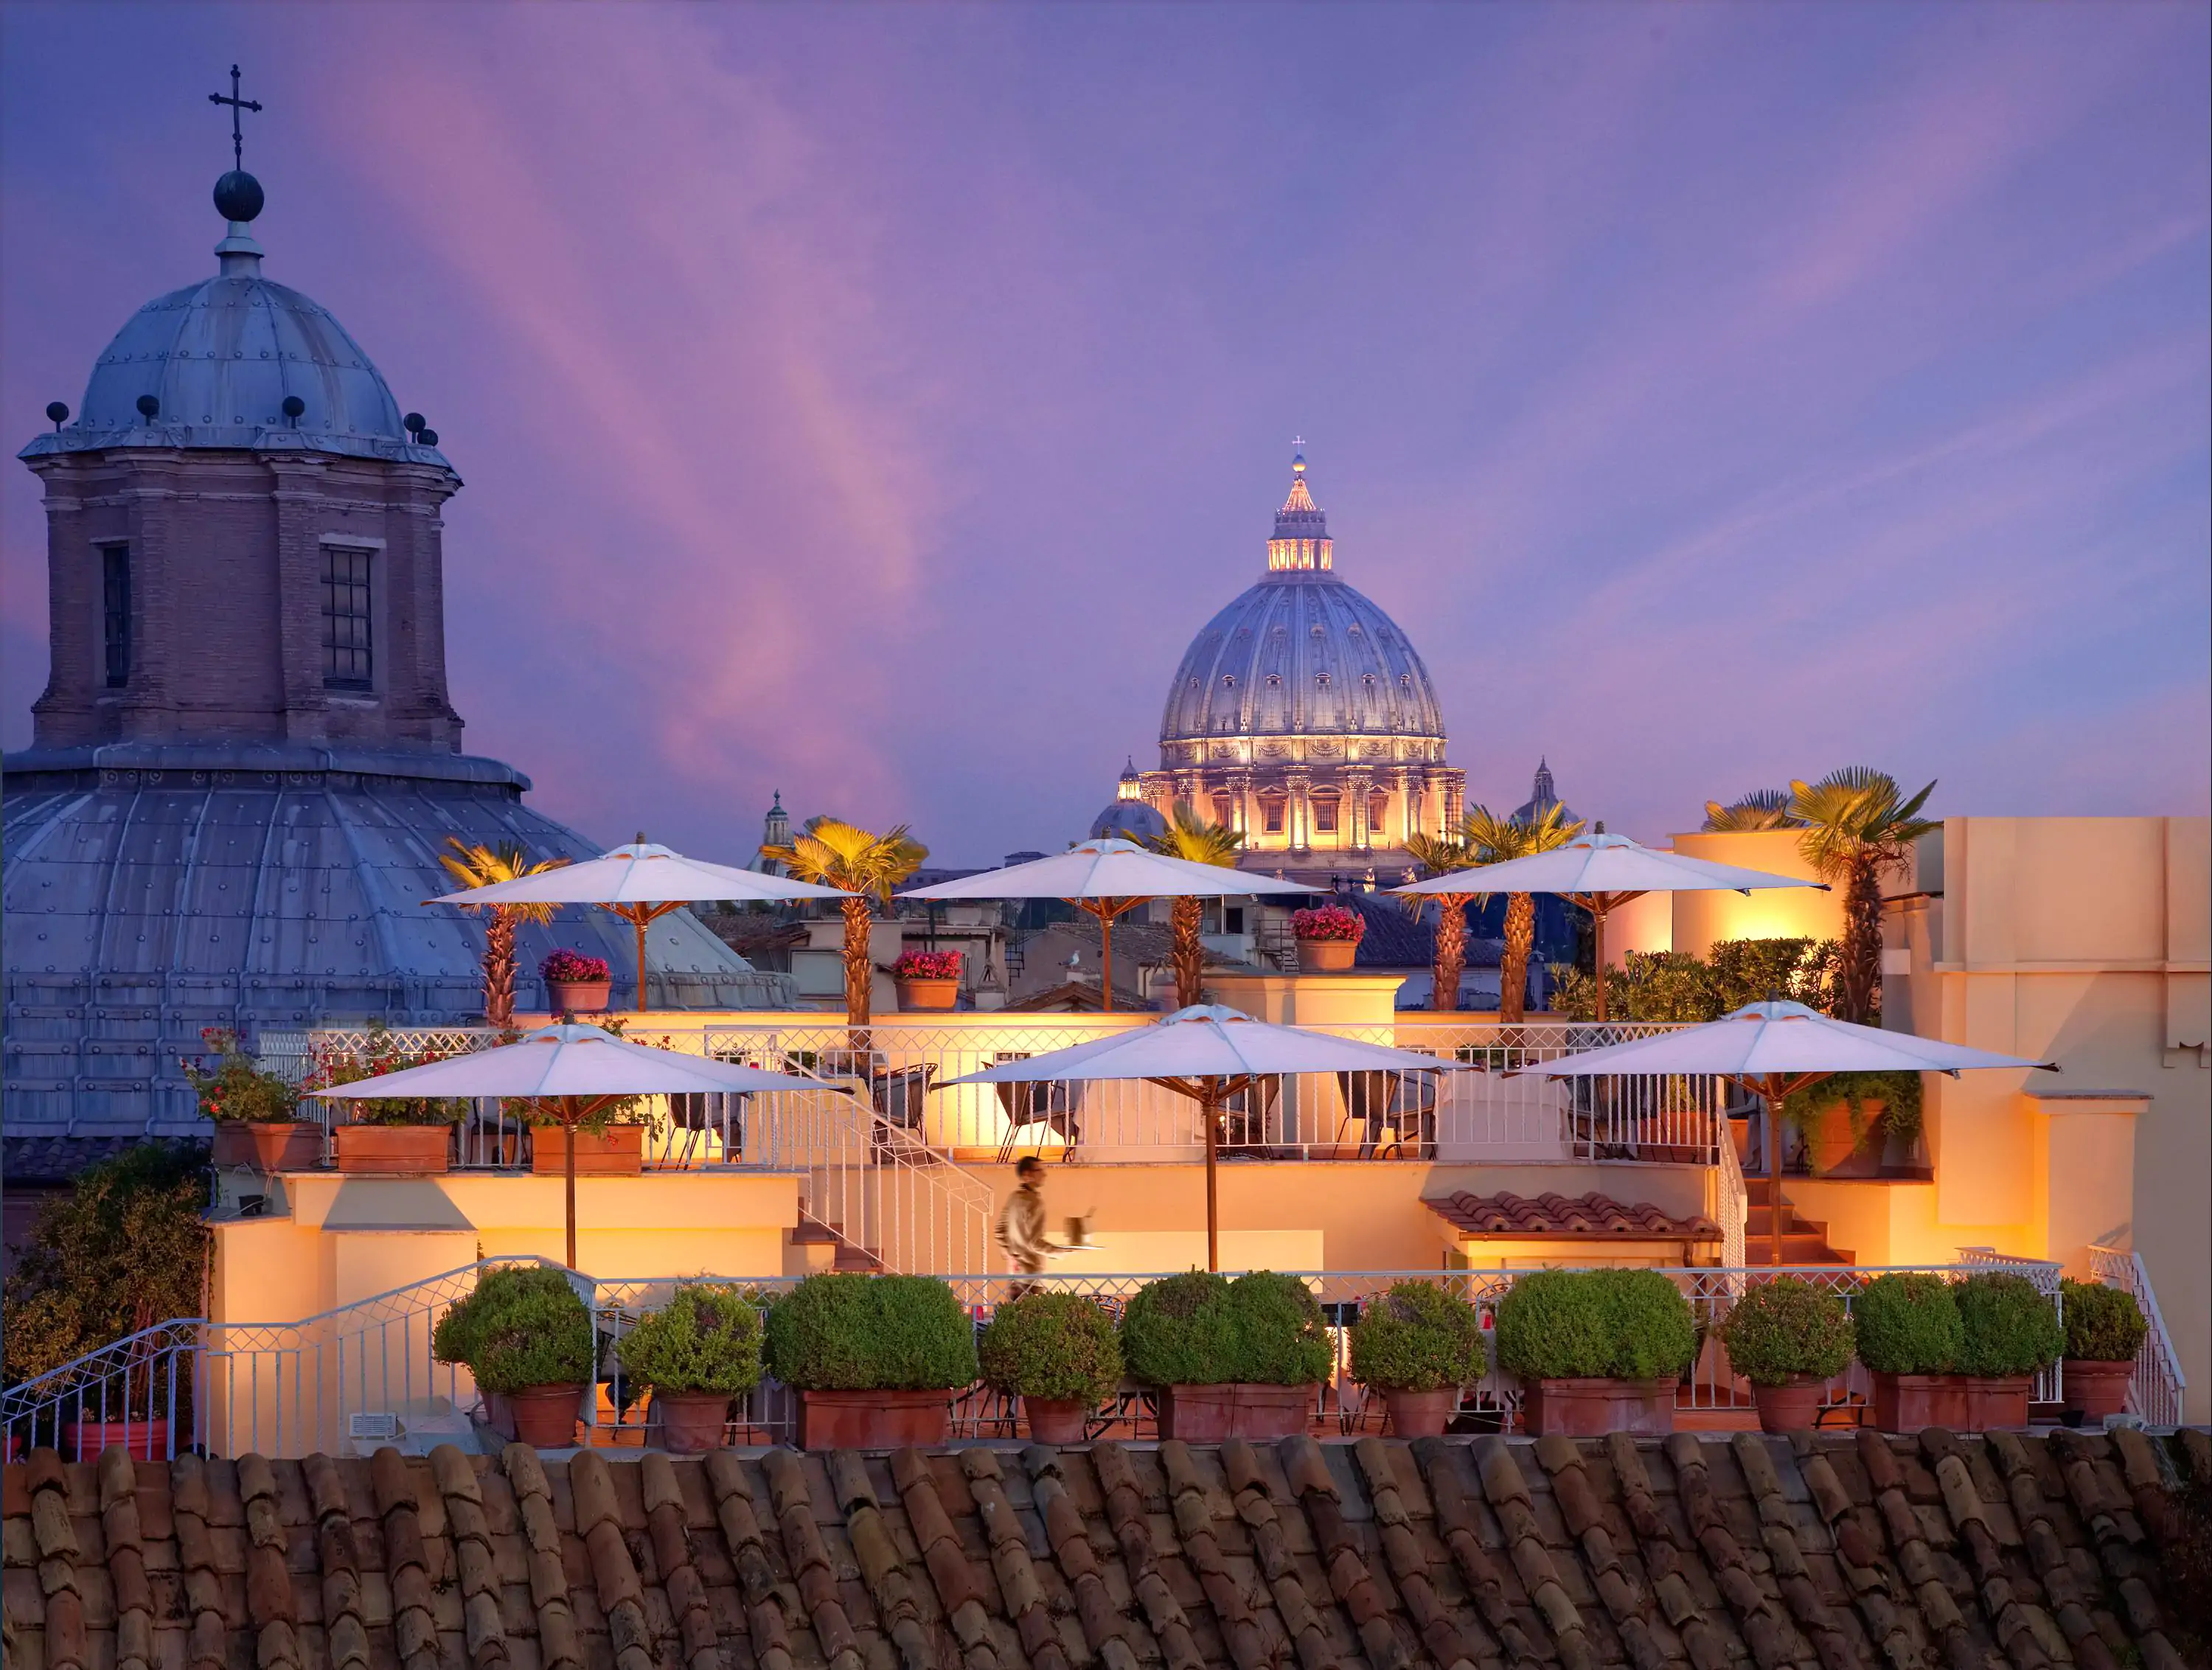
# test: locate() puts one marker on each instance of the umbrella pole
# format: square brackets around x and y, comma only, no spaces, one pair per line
[1597,947]
[1209,1111]
[568,1169]
[1774,1174]
[639,919]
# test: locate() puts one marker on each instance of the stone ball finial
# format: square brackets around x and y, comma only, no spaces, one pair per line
[238,196]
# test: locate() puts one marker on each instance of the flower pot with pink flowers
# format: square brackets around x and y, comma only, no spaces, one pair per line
[256,1112]
[1328,938]
[575,984]
[927,980]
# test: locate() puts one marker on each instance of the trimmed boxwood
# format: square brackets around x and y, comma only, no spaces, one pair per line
[521,1327]
[1595,1325]
[706,1338]
[2005,1327]
[1202,1329]
[1416,1337]
[1786,1327]
[1908,1325]
[2103,1324]
[868,1333]
[1052,1346]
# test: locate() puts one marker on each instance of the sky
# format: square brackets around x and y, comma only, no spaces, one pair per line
[870,403]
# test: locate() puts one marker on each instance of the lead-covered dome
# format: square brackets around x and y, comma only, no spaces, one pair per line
[1300,653]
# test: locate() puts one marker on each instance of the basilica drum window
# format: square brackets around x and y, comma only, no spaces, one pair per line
[1271,814]
[115,615]
[1324,814]
[348,646]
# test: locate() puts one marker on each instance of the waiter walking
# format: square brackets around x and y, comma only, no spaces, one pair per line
[1021,1224]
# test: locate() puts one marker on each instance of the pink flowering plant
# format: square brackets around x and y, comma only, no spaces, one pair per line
[573,967]
[238,1088]
[1328,922]
[926,965]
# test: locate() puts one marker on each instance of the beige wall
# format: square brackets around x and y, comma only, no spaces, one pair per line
[1691,922]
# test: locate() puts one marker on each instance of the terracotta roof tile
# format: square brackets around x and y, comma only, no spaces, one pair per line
[1551,1215]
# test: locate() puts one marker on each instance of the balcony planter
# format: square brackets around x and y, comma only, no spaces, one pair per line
[928,993]
[1596,1351]
[1907,1403]
[579,996]
[697,1352]
[142,1440]
[2095,1389]
[1419,1414]
[394,1151]
[691,1422]
[927,980]
[526,1335]
[1417,1344]
[1583,1407]
[876,1359]
[1236,1409]
[268,1145]
[878,1419]
[617,1152]
[1059,1353]
[1328,937]
[1240,1359]
[1326,957]
[1057,1420]
[1792,1407]
[545,1415]
[1788,1339]
[1833,1149]
[2105,1329]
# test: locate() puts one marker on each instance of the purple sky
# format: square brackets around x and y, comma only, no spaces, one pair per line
[871,402]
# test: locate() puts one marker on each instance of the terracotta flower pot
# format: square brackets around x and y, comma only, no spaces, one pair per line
[545,1415]
[1996,1403]
[617,1152]
[928,993]
[578,997]
[142,1440]
[2096,1388]
[1792,1408]
[1056,1420]
[1237,1409]
[281,1145]
[1831,1150]
[691,1421]
[874,1420]
[1591,1408]
[394,1151]
[1326,957]
[1906,1403]
[1419,1414]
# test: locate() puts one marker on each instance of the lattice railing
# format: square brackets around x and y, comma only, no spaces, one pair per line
[2157,1391]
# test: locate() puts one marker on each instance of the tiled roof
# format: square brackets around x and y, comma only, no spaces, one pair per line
[1831,1553]
[1588,1215]
[51,1161]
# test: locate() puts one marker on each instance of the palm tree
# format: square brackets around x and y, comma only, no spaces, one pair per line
[1857,828]
[835,853]
[480,866]
[1193,838]
[1492,840]
[1440,856]
[1761,809]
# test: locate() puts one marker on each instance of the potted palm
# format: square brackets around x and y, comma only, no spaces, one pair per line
[697,1352]
[1328,938]
[405,1135]
[480,866]
[526,1337]
[1493,840]
[834,854]
[1910,1335]
[575,984]
[1229,1359]
[1596,1351]
[927,980]
[2105,1329]
[2008,1330]
[255,1111]
[1059,1353]
[1417,1344]
[1196,839]
[875,1359]
[1788,1339]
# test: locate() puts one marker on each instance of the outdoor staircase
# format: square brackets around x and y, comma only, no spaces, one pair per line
[847,1256]
[1804,1240]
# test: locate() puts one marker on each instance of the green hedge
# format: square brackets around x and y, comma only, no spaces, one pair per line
[1908,1325]
[1595,1324]
[1201,1329]
[1786,1327]
[1417,1338]
[706,1338]
[521,1327]
[2006,1327]
[1047,1345]
[2103,1324]
[865,1334]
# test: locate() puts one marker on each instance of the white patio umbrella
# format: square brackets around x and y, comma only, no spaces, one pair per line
[1601,873]
[638,883]
[1106,878]
[1208,1053]
[570,1072]
[1771,1050]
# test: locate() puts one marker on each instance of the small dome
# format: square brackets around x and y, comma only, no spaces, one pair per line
[1128,820]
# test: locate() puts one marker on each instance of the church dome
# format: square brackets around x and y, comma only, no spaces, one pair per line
[1299,653]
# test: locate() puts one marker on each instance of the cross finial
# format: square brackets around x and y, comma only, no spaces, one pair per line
[237,105]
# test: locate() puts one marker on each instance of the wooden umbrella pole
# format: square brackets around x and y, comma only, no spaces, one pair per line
[639,921]
[568,1167]
[1209,1110]
[1774,1176]
[1597,955]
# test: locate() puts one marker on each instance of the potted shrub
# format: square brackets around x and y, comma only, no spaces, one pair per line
[697,1352]
[1596,1351]
[927,980]
[1230,1359]
[1848,1120]
[1328,937]
[1417,1344]
[1909,1337]
[1788,1339]
[255,1111]
[2105,1329]
[2007,1332]
[405,1135]
[526,1337]
[1059,1353]
[875,1359]
[575,984]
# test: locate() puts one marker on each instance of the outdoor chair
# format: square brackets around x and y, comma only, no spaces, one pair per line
[898,1094]
[1055,1105]
[1247,1114]
[696,1113]
[490,1137]
[1391,1101]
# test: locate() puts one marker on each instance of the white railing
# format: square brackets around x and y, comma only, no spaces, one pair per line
[1732,1206]
[2156,1390]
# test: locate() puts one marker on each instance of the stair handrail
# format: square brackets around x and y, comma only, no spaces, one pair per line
[2157,1389]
